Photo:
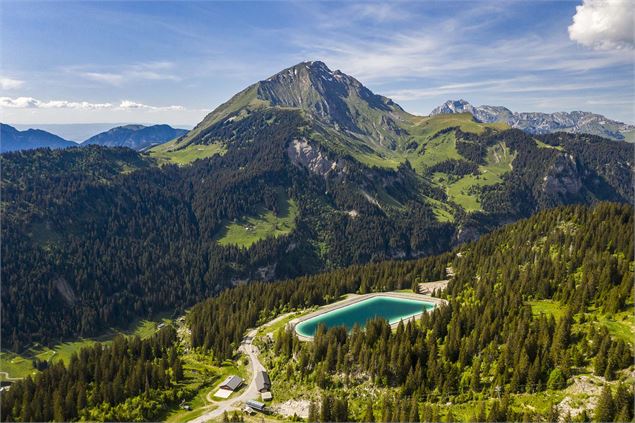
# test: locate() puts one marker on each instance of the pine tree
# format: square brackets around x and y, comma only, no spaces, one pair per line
[475,381]
[58,407]
[482,412]
[313,412]
[387,414]
[605,409]
[449,418]
[414,411]
[623,415]
[369,416]
[611,368]
[326,409]
[556,379]
[340,410]
[553,414]
[178,370]
[624,402]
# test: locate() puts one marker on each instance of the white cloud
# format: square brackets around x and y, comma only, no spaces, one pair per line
[9,83]
[149,71]
[604,24]
[109,78]
[380,12]
[33,103]
[127,104]
[524,84]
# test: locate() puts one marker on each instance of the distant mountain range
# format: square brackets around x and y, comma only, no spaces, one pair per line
[77,132]
[11,139]
[137,137]
[543,123]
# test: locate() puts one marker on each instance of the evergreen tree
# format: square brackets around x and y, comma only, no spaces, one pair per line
[414,411]
[369,416]
[326,409]
[313,412]
[605,409]
[449,418]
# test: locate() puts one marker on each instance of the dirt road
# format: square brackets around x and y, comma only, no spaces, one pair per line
[251,392]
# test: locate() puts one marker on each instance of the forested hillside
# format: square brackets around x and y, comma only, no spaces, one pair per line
[87,247]
[99,383]
[283,186]
[488,341]
[95,237]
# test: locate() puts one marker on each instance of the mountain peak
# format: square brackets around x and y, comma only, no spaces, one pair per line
[132,127]
[13,140]
[312,86]
[329,98]
[453,106]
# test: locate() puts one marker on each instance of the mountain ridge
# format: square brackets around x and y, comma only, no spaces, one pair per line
[12,139]
[543,123]
[135,136]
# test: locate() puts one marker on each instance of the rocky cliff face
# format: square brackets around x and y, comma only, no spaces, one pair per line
[302,153]
[562,181]
[543,123]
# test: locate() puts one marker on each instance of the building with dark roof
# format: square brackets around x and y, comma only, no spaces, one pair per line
[232,383]
[255,405]
[263,383]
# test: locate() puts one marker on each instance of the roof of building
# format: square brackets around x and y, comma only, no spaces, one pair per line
[266,396]
[232,382]
[256,405]
[262,380]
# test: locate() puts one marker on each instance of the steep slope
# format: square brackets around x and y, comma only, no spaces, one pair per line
[327,97]
[137,137]
[543,123]
[13,140]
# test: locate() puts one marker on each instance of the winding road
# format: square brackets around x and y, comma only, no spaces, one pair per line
[251,392]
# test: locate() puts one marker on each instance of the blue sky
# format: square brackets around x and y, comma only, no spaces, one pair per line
[173,62]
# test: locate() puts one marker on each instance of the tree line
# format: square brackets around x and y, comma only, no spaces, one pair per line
[99,382]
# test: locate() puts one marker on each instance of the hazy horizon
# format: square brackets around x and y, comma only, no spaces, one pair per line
[80,132]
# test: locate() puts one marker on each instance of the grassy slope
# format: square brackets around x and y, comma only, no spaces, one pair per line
[629,136]
[620,325]
[499,161]
[250,229]
[20,365]
[431,151]
[166,153]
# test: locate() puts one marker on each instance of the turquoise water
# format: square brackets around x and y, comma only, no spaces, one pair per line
[390,308]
